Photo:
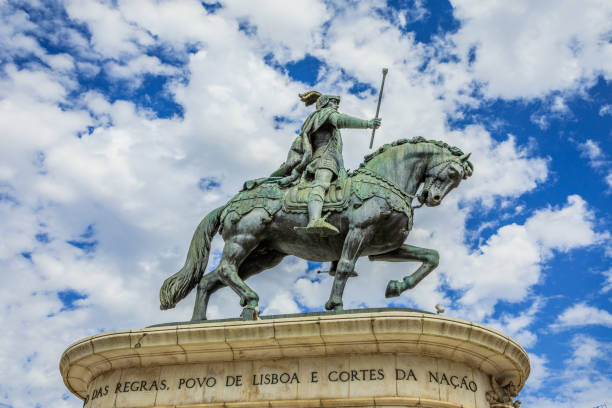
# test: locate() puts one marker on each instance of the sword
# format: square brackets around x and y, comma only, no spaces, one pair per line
[384,72]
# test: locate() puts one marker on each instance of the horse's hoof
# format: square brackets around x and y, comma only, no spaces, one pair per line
[333,307]
[250,313]
[393,289]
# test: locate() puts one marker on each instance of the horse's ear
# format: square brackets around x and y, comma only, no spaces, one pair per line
[468,169]
[464,157]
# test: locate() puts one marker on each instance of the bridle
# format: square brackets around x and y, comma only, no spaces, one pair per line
[431,176]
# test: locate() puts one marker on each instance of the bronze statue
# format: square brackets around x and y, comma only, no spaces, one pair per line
[316,155]
[370,212]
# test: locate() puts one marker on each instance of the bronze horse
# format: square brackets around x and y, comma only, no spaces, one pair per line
[375,223]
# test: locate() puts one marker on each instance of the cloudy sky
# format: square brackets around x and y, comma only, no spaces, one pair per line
[124,122]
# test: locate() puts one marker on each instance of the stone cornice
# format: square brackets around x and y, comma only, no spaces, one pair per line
[405,332]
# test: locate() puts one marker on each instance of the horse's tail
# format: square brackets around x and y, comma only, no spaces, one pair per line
[181,283]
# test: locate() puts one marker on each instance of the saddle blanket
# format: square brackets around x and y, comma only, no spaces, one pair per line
[270,197]
[336,199]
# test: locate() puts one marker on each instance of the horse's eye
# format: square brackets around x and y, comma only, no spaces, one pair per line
[453,173]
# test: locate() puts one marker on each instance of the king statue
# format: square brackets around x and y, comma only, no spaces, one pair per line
[312,208]
[316,155]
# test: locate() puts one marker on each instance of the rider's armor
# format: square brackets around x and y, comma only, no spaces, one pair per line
[317,154]
[325,146]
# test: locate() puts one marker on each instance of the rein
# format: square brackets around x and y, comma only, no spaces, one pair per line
[394,187]
[433,176]
[408,198]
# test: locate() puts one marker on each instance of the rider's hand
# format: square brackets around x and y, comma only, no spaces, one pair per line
[288,180]
[285,181]
[374,123]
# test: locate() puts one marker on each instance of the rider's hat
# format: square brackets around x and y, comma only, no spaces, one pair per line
[311,97]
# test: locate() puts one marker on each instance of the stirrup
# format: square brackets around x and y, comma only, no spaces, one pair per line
[320,227]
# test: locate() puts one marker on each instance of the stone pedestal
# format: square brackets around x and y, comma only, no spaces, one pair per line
[381,359]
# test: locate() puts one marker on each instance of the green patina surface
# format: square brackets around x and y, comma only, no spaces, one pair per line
[313,208]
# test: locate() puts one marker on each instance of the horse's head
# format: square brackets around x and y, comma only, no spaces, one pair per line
[442,175]
[411,163]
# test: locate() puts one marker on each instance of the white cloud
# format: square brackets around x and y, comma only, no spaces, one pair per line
[541,120]
[38,84]
[282,303]
[509,263]
[539,373]
[134,177]
[605,110]
[176,23]
[558,105]
[564,228]
[289,29]
[312,292]
[586,350]
[553,108]
[579,383]
[60,62]
[503,169]
[607,286]
[13,40]
[582,314]
[139,65]
[597,159]
[590,149]
[123,39]
[526,50]
[517,327]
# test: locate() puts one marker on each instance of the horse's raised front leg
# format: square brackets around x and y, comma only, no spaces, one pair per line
[353,245]
[258,261]
[407,253]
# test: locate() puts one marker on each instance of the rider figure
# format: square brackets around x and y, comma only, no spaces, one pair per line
[317,154]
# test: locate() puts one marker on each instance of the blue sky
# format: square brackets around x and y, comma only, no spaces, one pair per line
[125,122]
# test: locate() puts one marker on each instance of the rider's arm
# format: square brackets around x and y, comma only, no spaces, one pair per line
[343,121]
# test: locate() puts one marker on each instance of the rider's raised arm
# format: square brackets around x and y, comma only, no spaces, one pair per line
[343,121]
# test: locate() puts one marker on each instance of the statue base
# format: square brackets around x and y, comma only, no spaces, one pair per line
[388,358]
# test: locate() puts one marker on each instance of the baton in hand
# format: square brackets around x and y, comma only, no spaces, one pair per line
[382,85]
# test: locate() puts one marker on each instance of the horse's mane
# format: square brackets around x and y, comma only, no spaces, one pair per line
[454,150]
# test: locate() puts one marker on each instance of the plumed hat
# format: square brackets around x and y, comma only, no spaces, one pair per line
[311,97]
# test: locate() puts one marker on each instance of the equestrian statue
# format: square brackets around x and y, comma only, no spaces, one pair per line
[312,208]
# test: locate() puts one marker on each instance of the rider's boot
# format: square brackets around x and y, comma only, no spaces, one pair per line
[317,224]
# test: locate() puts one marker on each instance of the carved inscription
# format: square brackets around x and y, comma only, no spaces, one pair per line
[279,378]
[208,382]
[371,374]
[275,378]
[453,381]
[134,386]
[127,386]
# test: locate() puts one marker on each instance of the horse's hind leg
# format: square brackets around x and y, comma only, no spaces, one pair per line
[209,284]
[407,253]
[237,248]
[258,261]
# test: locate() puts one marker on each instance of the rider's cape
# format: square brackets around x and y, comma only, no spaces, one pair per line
[301,149]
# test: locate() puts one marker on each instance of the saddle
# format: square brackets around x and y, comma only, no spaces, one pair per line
[362,184]
[255,194]
[336,199]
